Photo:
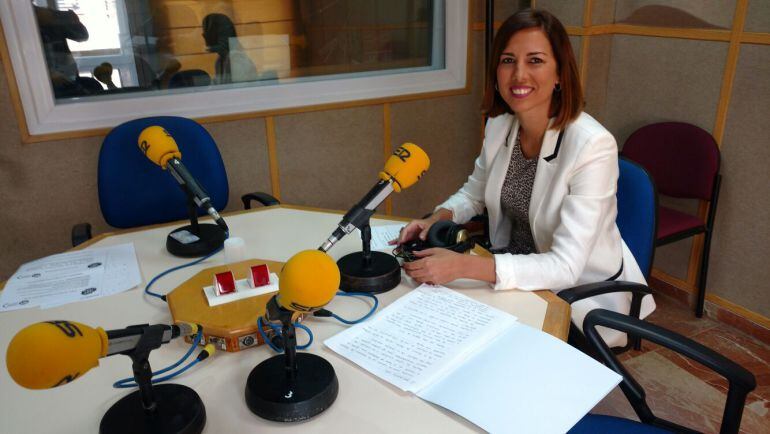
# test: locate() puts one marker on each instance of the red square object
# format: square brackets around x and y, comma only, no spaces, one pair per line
[224,283]
[259,276]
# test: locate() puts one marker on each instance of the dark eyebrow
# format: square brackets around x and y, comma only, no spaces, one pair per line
[534,53]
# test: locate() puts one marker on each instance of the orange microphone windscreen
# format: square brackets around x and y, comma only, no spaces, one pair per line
[406,166]
[49,354]
[308,281]
[158,145]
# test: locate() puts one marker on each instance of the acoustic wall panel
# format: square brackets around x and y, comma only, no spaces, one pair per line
[603,12]
[758,16]
[577,47]
[570,13]
[329,159]
[46,188]
[506,8]
[243,146]
[595,90]
[741,245]
[658,79]
[676,13]
[503,9]
[449,130]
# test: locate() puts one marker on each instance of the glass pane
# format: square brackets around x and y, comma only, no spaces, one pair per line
[107,48]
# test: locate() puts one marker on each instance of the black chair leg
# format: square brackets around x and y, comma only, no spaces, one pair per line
[703,274]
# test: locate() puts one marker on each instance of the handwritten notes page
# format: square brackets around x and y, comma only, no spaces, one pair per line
[477,362]
[421,337]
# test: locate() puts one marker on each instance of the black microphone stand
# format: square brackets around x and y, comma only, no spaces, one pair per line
[209,236]
[165,408]
[368,271]
[292,386]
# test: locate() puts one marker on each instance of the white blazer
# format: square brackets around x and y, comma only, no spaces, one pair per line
[572,214]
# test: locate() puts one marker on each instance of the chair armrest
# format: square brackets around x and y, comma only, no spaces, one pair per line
[741,381]
[81,233]
[577,293]
[263,198]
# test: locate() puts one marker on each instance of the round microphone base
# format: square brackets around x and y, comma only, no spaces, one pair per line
[182,241]
[381,274]
[272,395]
[179,411]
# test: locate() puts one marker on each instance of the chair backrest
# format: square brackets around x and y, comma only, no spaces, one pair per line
[683,159]
[636,218]
[133,191]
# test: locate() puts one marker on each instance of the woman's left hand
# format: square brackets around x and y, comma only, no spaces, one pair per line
[436,266]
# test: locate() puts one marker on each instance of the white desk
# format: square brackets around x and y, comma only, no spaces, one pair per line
[364,403]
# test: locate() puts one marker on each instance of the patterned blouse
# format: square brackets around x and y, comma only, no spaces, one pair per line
[514,200]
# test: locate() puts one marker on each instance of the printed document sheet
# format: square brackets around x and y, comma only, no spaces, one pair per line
[381,235]
[70,277]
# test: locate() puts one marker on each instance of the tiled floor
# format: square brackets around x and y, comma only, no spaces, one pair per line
[688,393]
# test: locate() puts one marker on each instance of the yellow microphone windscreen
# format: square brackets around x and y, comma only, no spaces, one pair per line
[49,354]
[406,166]
[158,145]
[308,281]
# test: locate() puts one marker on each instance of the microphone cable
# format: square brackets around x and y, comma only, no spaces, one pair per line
[322,313]
[325,313]
[277,333]
[179,267]
[126,383]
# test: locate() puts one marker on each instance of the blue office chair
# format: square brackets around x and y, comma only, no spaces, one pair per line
[133,191]
[636,220]
[741,381]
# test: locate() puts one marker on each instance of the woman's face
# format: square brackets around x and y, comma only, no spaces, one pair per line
[527,73]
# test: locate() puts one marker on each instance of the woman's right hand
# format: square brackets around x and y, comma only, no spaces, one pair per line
[417,228]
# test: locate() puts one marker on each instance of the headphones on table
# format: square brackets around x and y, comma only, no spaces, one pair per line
[444,234]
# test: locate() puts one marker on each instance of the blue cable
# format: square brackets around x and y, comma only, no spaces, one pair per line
[277,329]
[129,382]
[309,335]
[363,318]
[179,267]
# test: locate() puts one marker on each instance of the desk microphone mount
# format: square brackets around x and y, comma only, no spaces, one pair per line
[292,386]
[165,408]
[368,271]
[209,236]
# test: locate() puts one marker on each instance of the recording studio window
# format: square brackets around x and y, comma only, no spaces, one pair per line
[200,58]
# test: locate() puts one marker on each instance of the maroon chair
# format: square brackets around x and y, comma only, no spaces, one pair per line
[683,160]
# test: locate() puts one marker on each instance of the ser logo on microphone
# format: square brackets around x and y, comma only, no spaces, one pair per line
[144,146]
[67,328]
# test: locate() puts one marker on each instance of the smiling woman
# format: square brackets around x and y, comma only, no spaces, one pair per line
[547,175]
[102,60]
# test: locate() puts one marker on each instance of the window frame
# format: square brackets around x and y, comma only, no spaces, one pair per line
[45,118]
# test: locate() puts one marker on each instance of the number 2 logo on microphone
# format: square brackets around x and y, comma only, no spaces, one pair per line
[144,146]
[402,153]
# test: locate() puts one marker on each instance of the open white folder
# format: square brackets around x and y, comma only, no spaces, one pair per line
[478,362]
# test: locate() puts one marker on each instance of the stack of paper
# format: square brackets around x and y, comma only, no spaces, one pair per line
[478,362]
[70,277]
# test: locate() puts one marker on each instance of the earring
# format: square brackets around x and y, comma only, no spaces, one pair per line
[557,88]
[496,89]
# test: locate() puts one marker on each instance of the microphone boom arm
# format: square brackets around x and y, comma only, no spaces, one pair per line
[359,215]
